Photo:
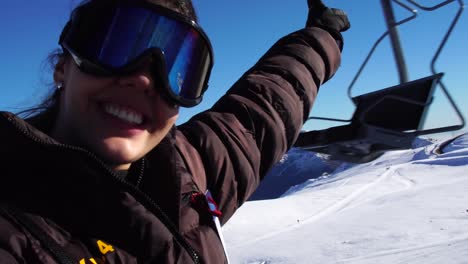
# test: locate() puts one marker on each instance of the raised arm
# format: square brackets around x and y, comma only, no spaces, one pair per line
[251,127]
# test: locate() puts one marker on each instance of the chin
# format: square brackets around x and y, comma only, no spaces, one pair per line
[120,164]
[120,158]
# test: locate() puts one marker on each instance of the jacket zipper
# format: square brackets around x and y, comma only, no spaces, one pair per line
[135,191]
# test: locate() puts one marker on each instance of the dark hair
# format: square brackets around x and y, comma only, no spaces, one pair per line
[48,105]
[184,7]
[48,108]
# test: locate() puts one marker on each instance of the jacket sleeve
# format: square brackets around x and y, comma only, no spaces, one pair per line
[251,127]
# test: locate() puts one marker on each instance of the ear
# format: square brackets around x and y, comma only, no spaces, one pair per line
[59,71]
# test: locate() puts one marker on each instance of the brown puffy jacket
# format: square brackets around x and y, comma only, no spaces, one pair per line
[87,214]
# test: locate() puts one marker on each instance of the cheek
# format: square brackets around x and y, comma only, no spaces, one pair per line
[75,102]
[173,119]
[166,115]
[70,103]
[166,119]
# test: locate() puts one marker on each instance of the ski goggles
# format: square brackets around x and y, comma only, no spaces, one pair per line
[114,37]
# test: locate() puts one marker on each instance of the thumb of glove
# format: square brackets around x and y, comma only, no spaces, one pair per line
[329,19]
[336,19]
[316,6]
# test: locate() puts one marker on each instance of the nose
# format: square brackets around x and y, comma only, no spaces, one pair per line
[140,80]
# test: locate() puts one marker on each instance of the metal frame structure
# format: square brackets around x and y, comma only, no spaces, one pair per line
[395,139]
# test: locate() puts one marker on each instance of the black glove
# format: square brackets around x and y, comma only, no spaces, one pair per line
[331,19]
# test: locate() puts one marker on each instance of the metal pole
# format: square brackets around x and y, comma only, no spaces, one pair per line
[395,40]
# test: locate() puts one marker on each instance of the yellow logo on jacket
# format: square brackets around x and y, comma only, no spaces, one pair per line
[104,248]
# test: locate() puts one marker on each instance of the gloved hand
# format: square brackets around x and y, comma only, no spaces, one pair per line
[331,19]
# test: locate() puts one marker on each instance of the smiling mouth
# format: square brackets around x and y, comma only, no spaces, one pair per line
[125,114]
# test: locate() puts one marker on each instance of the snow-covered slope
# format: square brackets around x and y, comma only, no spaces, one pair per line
[405,207]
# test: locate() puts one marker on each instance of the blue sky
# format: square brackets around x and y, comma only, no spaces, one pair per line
[241,31]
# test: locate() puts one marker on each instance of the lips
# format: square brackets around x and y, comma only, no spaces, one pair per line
[125,114]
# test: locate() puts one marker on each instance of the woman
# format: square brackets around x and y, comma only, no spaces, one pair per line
[102,175]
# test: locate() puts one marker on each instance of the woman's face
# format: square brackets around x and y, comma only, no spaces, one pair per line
[118,118]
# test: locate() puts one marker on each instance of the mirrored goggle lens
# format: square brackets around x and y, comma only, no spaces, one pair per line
[115,37]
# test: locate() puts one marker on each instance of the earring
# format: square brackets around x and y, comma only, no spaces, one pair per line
[59,86]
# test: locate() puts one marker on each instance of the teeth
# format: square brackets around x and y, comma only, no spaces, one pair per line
[124,114]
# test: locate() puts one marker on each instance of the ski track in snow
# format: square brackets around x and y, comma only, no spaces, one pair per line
[415,253]
[341,204]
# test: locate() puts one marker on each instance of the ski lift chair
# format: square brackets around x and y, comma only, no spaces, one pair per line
[387,119]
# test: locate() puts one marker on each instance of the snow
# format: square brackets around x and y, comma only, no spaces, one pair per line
[407,206]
